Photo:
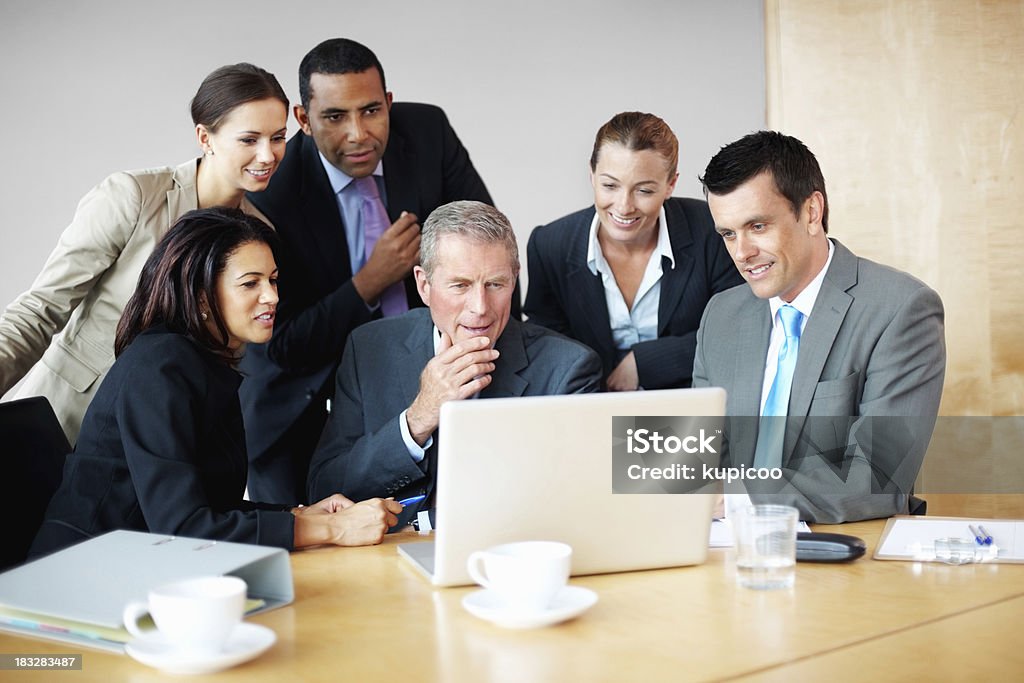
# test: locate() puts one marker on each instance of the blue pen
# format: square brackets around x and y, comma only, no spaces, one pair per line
[978,538]
[412,501]
[987,537]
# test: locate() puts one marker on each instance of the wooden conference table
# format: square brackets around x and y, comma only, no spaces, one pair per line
[362,614]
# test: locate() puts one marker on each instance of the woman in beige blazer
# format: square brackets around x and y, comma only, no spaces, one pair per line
[61,331]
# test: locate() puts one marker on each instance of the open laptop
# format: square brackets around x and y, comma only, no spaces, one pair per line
[540,468]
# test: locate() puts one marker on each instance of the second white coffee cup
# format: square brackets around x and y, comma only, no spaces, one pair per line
[194,615]
[525,576]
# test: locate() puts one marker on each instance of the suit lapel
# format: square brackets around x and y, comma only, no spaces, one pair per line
[505,380]
[587,289]
[674,278]
[748,375]
[419,349]
[819,335]
[184,196]
[403,194]
[751,351]
[399,180]
[322,216]
[406,364]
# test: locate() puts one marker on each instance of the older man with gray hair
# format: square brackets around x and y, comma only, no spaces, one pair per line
[396,372]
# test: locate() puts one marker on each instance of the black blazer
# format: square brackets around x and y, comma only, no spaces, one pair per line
[162,450]
[288,379]
[564,295]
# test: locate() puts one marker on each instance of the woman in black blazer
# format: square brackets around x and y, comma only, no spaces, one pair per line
[631,275]
[162,448]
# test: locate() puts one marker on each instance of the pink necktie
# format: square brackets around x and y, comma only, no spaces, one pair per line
[375,221]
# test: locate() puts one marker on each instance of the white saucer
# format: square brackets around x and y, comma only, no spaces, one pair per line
[570,602]
[247,641]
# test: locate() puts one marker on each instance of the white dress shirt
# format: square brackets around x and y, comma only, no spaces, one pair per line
[631,326]
[804,302]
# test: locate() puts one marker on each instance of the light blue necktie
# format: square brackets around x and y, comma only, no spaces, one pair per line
[375,221]
[772,431]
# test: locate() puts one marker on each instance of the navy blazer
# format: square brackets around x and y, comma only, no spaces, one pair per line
[288,379]
[362,453]
[567,297]
[162,450]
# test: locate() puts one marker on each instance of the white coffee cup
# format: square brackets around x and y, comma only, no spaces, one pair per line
[193,615]
[525,576]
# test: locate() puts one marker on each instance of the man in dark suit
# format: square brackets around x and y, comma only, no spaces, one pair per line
[848,355]
[356,153]
[397,372]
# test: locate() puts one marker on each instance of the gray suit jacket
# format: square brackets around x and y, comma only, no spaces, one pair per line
[362,453]
[865,394]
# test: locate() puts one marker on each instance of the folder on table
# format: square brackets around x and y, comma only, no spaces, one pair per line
[76,595]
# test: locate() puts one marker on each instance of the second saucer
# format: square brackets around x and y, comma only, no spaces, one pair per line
[570,602]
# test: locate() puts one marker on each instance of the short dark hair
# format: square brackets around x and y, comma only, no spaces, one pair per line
[638,132]
[230,86]
[181,274]
[793,167]
[336,56]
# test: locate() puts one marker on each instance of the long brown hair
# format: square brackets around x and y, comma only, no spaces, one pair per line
[179,279]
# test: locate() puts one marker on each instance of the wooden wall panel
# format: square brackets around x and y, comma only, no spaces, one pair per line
[914,109]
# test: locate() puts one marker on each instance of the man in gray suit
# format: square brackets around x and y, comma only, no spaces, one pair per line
[848,353]
[396,372]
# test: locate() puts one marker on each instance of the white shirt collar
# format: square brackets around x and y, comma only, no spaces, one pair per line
[437,340]
[595,257]
[804,301]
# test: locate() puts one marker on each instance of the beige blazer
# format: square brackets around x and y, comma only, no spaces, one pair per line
[61,331]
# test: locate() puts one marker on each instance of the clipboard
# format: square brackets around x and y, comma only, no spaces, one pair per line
[905,535]
[76,595]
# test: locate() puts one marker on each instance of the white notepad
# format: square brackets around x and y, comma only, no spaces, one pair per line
[721,533]
[907,537]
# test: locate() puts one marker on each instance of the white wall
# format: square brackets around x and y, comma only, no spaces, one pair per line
[94,87]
